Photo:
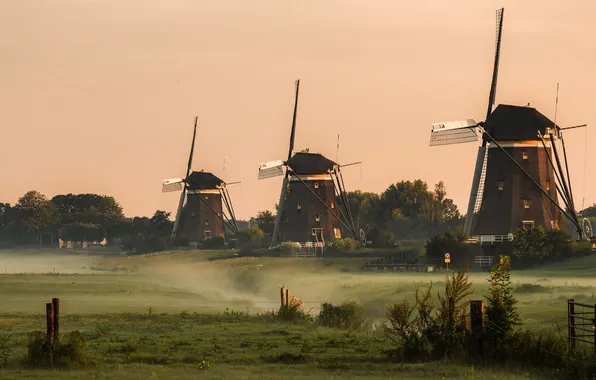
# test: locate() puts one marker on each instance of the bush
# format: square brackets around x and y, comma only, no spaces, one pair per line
[539,245]
[294,312]
[346,244]
[251,237]
[449,242]
[70,350]
[431,329]
[217,242]
[348,315]
[80,232]
[288,246]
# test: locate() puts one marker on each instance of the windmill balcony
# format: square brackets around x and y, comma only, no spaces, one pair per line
[491,239]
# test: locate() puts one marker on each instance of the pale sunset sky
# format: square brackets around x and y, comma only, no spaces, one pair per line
[99,95]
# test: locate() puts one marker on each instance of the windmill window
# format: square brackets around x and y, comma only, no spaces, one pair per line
[525,155]
[500,185]
[547,184]
[337,233]
[528,225]
[206,223]
[316,185]
[554,224]
[192,215]
[332,205]
[206,197]
[526,203]
[318,218]
[207,234]
[299,206]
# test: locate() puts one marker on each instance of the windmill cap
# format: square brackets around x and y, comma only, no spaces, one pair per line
[310,163]
[513,123]
[203,181]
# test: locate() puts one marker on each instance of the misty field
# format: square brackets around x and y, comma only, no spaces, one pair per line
[167,315]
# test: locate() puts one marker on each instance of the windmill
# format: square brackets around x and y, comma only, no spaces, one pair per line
[208,210]
[313,206]
[516,182]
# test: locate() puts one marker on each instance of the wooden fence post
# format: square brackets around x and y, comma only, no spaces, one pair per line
[287,298]
[56,324]
[50,330]
[571,324]
[282,294]
[476,325]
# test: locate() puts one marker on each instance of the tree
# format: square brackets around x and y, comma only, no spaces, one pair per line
[252,235]
[160,223]
[35,211]
[588,212]
[448,242]
[88,208]
[541,244]
[501,313]
[266,221]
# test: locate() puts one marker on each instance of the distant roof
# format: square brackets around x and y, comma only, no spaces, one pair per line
[310,163]
[203,181]
[516,123]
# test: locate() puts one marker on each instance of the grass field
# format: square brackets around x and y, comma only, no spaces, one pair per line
[159,316]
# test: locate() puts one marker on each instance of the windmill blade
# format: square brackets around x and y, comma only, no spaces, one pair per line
[350,164]
[293,132]
[170,185]
[572,127]
[271,169]
[453,132]
[493,86]
[192,148]
[232,183]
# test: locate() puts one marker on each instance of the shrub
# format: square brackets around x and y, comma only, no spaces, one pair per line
[449,242]
[181,242]
[346,244]
[431,329]
[294,312]
[251,237]
[70,350]
[288,246]
[530,288]
[348,315]
[217,242]
[80,232]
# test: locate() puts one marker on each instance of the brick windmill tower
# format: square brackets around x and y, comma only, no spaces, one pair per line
[519,175]
[208,210]
[312,205]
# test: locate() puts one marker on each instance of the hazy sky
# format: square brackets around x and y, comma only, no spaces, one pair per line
[100,95]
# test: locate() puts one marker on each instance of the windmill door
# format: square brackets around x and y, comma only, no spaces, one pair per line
[318,234]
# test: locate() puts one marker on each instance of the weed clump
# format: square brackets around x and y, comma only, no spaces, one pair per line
[428,329]
[69,351]
[348,315]
[294,311]
[529,288]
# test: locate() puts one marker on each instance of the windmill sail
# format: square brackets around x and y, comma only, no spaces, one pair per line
[280,205]
[493,86]
[453,132]
[271,169]
[183,194]
[170,185]
[478,179]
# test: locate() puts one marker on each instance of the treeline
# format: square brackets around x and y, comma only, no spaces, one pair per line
[35,219]
[405,210]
